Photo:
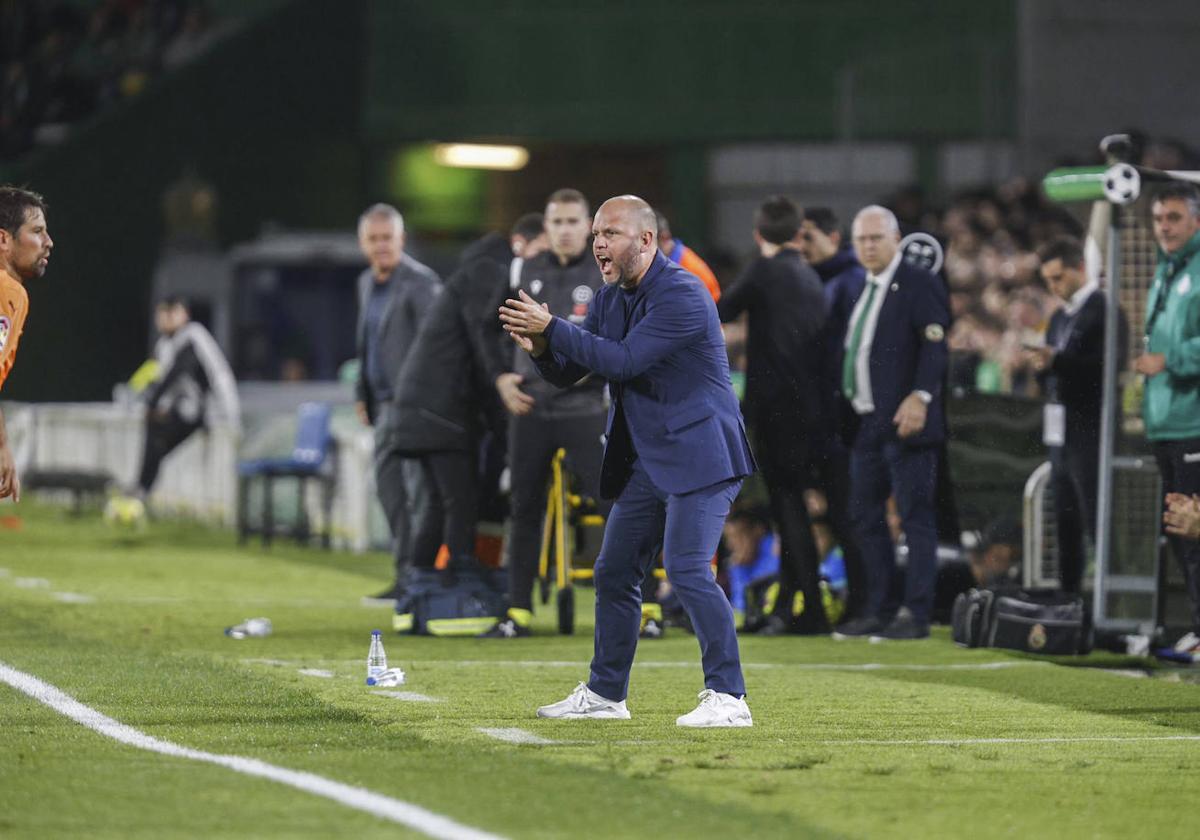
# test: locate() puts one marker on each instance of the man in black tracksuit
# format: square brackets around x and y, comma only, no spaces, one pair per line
[545,418]
[784,373]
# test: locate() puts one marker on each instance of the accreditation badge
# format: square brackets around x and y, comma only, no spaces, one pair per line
[1054,424]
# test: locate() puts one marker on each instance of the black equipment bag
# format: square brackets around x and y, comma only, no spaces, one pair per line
[451,603]
[1031,620]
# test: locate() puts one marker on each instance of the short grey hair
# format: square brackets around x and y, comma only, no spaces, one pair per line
[382,212]
[889,218]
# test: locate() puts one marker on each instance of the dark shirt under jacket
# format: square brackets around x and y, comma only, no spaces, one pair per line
[1076,375]
[786,307]
[412,288]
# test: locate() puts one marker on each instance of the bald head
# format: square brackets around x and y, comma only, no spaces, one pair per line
[876,237]
[625,234]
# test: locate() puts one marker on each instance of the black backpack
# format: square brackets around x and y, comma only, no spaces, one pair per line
[1030,620]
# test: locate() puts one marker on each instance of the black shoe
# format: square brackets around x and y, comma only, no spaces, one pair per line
[902,628]
[386,598]
[865,626]
[652,629]
[776,626]
[506,629]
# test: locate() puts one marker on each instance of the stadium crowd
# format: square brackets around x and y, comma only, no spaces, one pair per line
[63,62]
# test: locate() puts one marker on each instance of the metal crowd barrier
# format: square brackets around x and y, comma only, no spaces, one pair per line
[1130,583]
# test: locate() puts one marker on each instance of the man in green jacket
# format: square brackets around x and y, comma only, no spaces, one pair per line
[1170,362]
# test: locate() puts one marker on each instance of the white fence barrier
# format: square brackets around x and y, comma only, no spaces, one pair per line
[199,478]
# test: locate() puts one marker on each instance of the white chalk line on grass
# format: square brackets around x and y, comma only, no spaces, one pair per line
[409,696]
[751,666]
[361,799]
[967,742]
[515,736]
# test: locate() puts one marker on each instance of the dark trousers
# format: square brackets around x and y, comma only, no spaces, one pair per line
[688,528]
[163,434]
[416,527]
[532,442]
[1074,475]
[909,473]
[1179,464]
[785,470]
[833,476]
[450,479]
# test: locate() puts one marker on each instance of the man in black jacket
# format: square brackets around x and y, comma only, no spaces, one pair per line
[393,293]
[784,374]
[1072,362]
[543,417]
[443,402]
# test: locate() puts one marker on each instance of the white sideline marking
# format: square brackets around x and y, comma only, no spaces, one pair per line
[410,696]
[31,583]
[274,662]
[73,598]
[515,736]
[966,742]
[316,672]
[385,807]
[5,573]
[802,666]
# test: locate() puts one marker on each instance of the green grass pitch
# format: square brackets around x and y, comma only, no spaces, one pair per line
[1029,748]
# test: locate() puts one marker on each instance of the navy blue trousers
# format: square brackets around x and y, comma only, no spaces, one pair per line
[688,528]
[910,473]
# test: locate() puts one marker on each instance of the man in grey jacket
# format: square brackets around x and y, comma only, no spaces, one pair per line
[393,295]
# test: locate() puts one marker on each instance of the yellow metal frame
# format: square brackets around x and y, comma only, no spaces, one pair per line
[560,501]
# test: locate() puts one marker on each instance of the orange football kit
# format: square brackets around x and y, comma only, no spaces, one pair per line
[14,306]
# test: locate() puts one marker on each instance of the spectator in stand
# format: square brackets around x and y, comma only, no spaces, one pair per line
[1171,365]
[786,312]
[684,256]
[1072,364]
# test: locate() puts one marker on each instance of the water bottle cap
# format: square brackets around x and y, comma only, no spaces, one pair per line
[376,633]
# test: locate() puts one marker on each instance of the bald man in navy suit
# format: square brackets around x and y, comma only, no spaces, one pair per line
[893,360]
[674,459]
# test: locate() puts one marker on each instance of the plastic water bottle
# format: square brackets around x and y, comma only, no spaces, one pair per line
[376,658]
[249,627]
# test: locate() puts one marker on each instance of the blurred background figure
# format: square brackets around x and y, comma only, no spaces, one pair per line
[828,251]
[677,252]
[1170,362]
[444,401]
[892,373]
[544,418]
[394,294]
[194,388]
[785,310]
[1071,363]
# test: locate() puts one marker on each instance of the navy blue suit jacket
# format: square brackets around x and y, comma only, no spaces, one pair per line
[908,354]
[660,348]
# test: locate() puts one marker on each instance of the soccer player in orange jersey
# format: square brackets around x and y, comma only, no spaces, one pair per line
[24,253]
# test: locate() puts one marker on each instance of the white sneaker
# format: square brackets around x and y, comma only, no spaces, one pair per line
[585,703]
[717,709]
[1188,643]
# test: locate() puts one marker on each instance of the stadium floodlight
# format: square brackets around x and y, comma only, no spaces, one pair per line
[481,156]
